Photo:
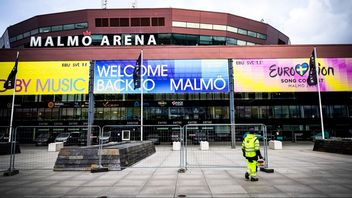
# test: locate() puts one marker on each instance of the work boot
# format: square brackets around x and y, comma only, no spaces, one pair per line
[246,175]
[254,179]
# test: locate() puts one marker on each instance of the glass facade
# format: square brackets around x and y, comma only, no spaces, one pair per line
[169,39]
[54,28]
[155,21]
[285,112]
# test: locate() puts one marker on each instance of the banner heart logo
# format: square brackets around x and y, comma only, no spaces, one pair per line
[301,69]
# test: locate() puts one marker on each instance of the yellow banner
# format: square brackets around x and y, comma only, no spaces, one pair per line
[49,77]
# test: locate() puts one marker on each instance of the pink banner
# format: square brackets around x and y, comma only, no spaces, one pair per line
[290,75]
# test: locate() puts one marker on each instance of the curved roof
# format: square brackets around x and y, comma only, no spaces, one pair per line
[241,30]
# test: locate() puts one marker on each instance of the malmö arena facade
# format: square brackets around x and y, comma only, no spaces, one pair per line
[190,60]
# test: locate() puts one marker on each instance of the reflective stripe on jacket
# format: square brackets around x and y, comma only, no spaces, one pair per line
[250,145]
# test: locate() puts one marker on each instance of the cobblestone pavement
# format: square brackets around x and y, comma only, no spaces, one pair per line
[299,172]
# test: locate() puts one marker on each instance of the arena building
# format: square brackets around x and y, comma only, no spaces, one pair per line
[190,59]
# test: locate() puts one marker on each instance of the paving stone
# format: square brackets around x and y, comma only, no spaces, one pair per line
[101,182]
[71,183]
[227,189]
[192,190]
[191,182]
[130,182]
[163,191]
[219,182]
[54,191]
[296,188]
[269,195]
[297,194]
[332,189]
[260,188]
[161,182]
[123,191]
[88,191]
[20,191]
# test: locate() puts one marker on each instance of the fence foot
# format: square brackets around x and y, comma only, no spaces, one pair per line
[98,169]
[267,170]
[181,170]
[11,173]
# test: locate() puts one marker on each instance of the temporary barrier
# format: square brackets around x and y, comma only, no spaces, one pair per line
[194,145]
[162,136]
[213,145]
[33,142]
[4,148]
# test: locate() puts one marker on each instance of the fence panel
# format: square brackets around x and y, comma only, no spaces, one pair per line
[162,136]
[212,145]
[4,157]
[34,140]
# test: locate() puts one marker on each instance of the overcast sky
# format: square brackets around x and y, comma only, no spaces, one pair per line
[304,21]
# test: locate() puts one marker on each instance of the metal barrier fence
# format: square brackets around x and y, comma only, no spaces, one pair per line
[162,136]
[34,140]
[4,158]
[199,145]
[211,145]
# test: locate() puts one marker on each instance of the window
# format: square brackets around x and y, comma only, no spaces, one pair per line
[124,22]
[101,22]
[231,41]
[145,21]
[219,27]
[205,40]
[140,22]
[179,24]
[13,39]
[34,32]
[99,113]
[96,38]
[240,42]
[231,29]
[69,27]
[219,40]
[242,31]
[158,21]
[81,25]
[19,37]
[192,25]
[206,26]
[261,36]
[263,112]
[185,39]
[307,110]
[135,22]
[250,43]
[252,34]
[107,113]
[44,29]
[294,112]
[339,111]
[26,34]
[164,39]
[56,28]
[114,22]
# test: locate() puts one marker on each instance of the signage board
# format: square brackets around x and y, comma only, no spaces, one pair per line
[162,76]
[290,75]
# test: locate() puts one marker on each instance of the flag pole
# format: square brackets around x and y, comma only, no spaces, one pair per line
[12,136]
[142,95]
[13,104]
[320,106]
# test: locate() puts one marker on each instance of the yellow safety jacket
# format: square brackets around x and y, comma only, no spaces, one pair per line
[250,145]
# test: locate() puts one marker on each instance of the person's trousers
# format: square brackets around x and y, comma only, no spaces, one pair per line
[252,168]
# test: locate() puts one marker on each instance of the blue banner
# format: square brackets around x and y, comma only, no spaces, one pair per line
[162,76]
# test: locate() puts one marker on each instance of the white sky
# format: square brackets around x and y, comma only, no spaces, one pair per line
[304,21]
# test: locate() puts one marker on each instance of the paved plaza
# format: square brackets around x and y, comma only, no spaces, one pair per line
[219,172]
